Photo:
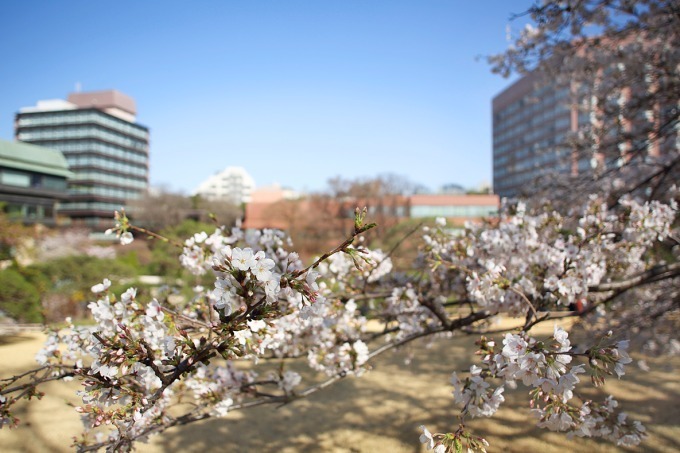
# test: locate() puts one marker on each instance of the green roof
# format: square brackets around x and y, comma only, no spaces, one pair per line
[39,159]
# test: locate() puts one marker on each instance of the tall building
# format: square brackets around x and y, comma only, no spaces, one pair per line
[530,126]
[233,184]
[543,130]
[107,151]
[32,182]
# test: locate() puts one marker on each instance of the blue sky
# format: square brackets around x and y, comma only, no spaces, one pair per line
[296,92]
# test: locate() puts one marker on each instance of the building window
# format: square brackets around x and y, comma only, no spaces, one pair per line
[15,178]
[51,182]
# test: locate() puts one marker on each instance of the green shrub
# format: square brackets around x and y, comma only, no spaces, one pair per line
[19,299]
[80,272]
[164,255]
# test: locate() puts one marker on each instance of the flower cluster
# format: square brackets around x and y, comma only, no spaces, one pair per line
[452,442]
[240,275]
[404,307]
[121,228]
[546,367]
[550,260]
[356,263]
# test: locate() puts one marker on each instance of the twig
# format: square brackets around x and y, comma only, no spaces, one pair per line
[155,235]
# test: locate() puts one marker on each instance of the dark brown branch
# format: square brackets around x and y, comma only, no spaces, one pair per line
[37,381]
[656,273]
[437,309]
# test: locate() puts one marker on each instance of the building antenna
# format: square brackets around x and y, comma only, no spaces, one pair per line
[78,87]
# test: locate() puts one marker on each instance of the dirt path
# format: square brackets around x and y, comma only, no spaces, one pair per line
[379,412]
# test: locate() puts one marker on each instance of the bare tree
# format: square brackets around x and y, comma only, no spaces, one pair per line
[162,209]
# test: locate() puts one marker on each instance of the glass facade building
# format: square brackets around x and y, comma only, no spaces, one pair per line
[544,130]
[107,151]
[531,123]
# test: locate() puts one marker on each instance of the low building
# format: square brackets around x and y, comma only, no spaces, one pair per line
[33,182]
[316,223]
[271,212]
[457,209]
[273,193]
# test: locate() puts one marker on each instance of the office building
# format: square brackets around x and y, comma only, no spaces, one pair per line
[537,124]
[32,182]
[107,151]
[531,122]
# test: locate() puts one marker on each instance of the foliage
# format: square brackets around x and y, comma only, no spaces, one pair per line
[11,234]
[18,298]
[164,252]
[76,273]
[130,260]
[62,285]
[376,187]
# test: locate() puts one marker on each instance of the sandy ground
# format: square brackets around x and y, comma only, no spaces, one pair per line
[378,412]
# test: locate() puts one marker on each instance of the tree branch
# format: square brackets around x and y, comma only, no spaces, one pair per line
[656,273]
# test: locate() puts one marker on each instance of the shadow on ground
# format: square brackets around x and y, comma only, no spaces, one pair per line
[382,410]
[378,412]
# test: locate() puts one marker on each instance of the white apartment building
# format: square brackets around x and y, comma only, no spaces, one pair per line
[232,184]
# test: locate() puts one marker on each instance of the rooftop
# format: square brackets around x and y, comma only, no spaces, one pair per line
[34,158]
[112,102]
[455,200]
[103,100]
